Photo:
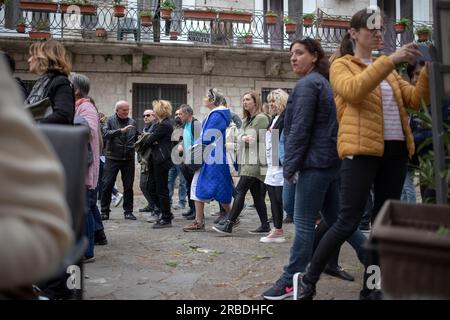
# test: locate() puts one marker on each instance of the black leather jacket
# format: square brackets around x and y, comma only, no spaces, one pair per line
[119,146]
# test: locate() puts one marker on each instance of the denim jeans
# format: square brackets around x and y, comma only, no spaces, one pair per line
[289,198]
[174,172]
[386,174]
[316,190]
[409,190]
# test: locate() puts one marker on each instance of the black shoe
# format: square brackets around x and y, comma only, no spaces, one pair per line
[279,291]
[190,217]
[146,209]
[130,216]
[226,228]
[105,216]
[161,223]
[100,238]
[221,216]
[338,272]
[288,219]
[371,295]
[302,290]
[263,229]
[187,213]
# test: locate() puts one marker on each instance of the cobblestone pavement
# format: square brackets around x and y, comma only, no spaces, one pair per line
[142,263]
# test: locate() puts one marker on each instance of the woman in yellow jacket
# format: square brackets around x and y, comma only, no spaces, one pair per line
[374,137]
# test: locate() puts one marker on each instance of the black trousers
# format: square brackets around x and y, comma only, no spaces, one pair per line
[158,188]
[255,186]
[143,185]
[110,171]
[188,176]
[387,174]
[276,204]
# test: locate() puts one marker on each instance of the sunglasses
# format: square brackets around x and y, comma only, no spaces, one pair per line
[146,115]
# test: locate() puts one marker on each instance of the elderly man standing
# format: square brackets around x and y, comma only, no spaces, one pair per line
[119,134]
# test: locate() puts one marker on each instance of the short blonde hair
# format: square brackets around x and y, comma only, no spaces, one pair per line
[51,56]
[281,97]
[162,108]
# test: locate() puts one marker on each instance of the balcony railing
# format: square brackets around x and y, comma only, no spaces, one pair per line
[185,25]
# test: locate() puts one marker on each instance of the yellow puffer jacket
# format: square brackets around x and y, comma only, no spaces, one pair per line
[359,105]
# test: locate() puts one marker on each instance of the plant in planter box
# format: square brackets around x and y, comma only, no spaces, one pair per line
[20,25]
[119,9]
[206,14]
[167,6]
[85,6]
[40,29]
[248,38]
[402,25]
[308,19]
[338,22]
[289,25]
[270,18]
[146,18]
[424,33]
[233,15]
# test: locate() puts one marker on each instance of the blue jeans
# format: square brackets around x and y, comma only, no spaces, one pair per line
[90,222]
[174,172]
[289,198]
[409,190]
[316,190]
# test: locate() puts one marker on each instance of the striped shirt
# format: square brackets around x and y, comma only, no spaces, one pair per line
[393,130]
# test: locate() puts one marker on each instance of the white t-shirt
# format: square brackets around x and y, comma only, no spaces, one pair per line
[274,174]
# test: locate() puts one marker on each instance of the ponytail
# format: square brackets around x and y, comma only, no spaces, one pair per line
[347,45]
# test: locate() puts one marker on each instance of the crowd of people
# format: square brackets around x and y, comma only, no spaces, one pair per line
[338,142]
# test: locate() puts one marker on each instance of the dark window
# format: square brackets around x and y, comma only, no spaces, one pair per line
[145,93]
[265,92]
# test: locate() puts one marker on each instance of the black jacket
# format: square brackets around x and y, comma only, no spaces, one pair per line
[310,126]
[160,141]
[119,146]
[62,96]
[279,125]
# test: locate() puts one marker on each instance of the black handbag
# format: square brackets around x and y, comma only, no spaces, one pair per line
[195,160]
[40,109]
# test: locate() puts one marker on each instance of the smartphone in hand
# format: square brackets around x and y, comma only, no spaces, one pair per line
[425,51]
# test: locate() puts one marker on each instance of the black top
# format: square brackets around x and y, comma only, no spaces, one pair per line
[119,146]
[62,97]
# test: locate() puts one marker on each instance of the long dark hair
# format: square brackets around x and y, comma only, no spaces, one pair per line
[314,47]
[359,20]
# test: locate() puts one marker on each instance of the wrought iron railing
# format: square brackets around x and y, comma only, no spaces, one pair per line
[216,29]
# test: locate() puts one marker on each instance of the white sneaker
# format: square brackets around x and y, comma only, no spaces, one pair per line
[117,200]
[272,237]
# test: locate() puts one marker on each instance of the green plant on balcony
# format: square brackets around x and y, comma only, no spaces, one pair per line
[40,29]
[289,25]
[402,25]
[308,19]
[119,8]
[338,22]
[20,25]
[234,15]
[270,18]
[248,38]
[424,33]
[146,18]
[167,6]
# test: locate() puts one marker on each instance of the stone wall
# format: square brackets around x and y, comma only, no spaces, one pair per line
[112,77]
[342,7]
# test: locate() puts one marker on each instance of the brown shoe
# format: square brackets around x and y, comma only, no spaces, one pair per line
[195,227]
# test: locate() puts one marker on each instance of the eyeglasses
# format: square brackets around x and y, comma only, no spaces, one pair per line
[375,30]
[146,115]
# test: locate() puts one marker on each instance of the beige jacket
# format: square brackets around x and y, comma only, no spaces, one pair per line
[34,218]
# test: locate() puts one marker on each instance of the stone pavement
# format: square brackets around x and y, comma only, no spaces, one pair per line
[142,263]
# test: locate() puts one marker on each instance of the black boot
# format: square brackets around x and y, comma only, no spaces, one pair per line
[226,228]
[100,238]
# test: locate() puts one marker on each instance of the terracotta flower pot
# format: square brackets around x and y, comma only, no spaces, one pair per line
[119,11]
[146,21]
[290,27]
[166,14]
[173,35]
[270,20]
[100,32]
[39,35]
[248,39]
[399,28]
[308,22]
[20,28]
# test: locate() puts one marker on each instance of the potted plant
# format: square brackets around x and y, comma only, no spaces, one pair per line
[289,25]
[119,9]
[100,32]
[40,30]
[173,35]
[248,38]
[206,14]
[235,16]
[3,2]
[335,22]
[402,25]
[42,6]
[20,25]
[270,18]
[308,19]
[167,6]
[423,33]
[146,18]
